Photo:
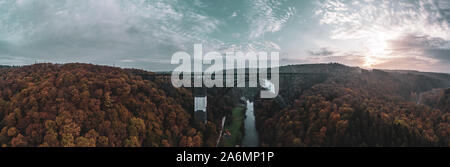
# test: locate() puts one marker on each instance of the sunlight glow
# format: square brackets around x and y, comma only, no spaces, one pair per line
[377,46]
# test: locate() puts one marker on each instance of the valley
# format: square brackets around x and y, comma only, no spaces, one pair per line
[317,105]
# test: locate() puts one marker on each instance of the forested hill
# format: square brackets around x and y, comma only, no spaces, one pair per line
[336,105]
[3,66]
[400,83]
[326,105]
[90,105]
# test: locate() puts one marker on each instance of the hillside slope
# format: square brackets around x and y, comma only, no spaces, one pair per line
[89,105]
[335,105]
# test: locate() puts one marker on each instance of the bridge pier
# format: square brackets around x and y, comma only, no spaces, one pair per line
[200,104]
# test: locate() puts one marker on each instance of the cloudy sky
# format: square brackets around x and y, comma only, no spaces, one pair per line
[403,34]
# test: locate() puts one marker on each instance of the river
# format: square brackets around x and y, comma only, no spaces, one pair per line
[251,135]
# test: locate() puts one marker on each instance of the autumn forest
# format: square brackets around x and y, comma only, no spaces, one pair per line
[84,105]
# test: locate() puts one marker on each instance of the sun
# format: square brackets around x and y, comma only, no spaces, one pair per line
[376,46]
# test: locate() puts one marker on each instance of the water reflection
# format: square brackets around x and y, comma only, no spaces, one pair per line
[251,135]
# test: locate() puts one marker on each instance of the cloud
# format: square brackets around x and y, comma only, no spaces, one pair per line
[389,31]
[443,9]
[321,52]
[101,31]
[268,16]
[364,19]
[416,42]
[126,32]
[440,54]
[144,34]
[423,46]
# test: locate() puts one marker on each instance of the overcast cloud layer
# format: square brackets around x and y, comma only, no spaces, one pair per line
[404,34]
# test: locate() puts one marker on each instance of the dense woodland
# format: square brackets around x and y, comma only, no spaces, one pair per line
[335,105]
[323,105]
[89,105]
